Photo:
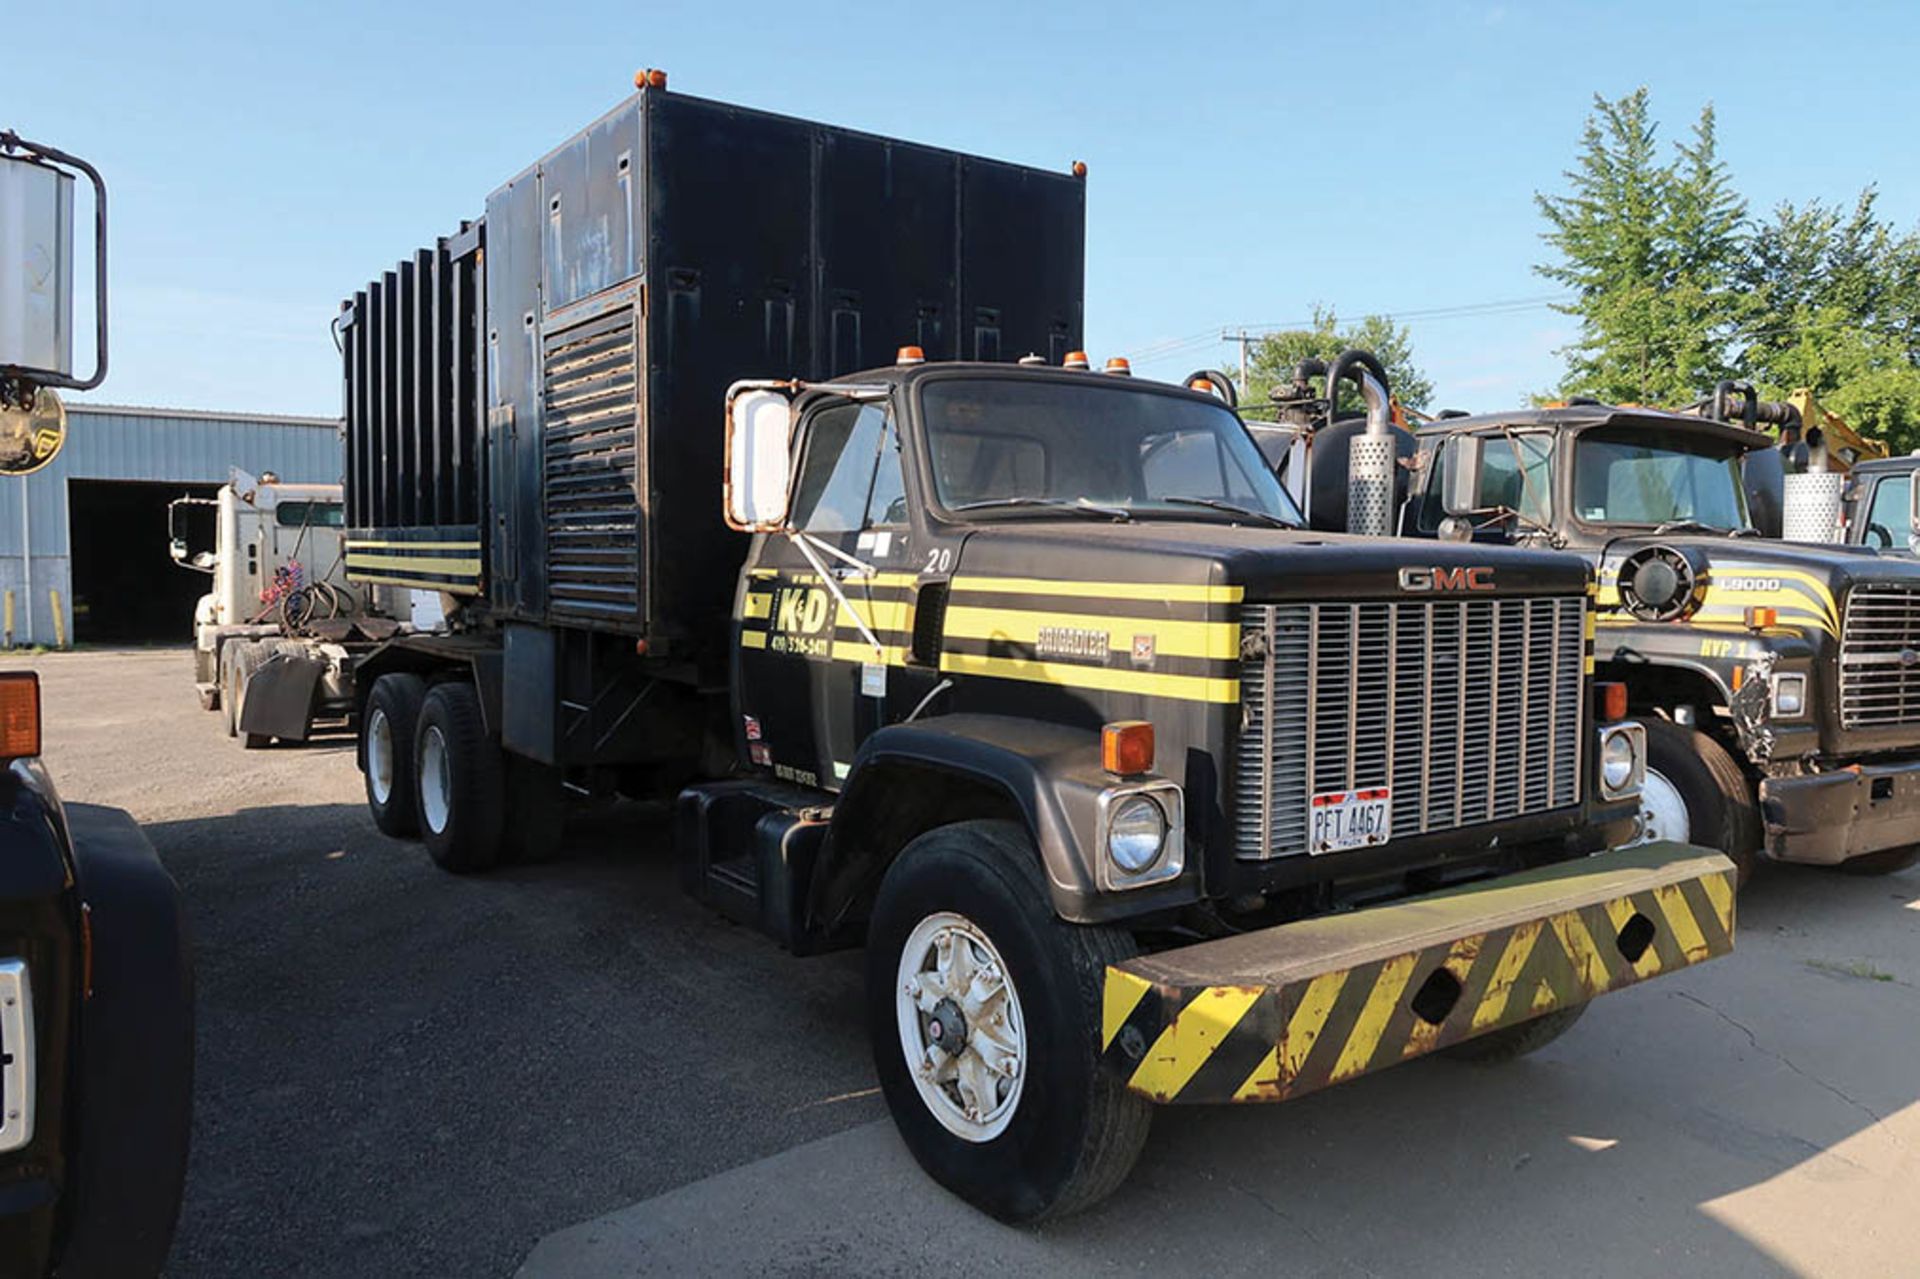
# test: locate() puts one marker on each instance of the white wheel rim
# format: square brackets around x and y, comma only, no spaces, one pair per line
[950,970]
[380,755]
[436,786]
[1663,813]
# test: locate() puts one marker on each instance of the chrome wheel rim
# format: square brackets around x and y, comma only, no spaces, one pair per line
[380,755]
[953,984]
[436,781]
[1663,812]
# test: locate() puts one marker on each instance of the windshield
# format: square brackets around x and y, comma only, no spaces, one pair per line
[1095,443]
[1645,479]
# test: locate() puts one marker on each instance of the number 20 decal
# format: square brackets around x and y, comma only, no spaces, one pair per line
[939,560]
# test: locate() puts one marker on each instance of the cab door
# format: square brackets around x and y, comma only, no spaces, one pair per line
[813,683]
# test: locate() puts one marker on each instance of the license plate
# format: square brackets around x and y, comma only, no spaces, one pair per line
[1344,819]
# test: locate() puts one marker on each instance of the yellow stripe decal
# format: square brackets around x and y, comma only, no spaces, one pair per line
[354,545]
[1303,1031]
[1382,1001]
[753,639]
[864,653]
[1184,1046]
[1172,592]
[418,563]
[384,579]
[1720,893]
[1588,964]
[1500,986]
[1123,994]
[1217,640]
[1192,688]
[1681,923]
[1459,962]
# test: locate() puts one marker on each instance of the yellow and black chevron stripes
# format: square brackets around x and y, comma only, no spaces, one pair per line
[1187,1040]
[1177,640]
[451,565]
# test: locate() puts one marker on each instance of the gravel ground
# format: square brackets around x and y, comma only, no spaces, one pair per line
[401,1072]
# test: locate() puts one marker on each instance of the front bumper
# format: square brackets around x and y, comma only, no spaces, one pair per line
[1827,818]
[1280,1012]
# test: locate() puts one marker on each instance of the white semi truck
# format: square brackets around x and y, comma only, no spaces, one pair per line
[276,635]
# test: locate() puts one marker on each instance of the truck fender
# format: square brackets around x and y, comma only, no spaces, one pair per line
[279,700]
[134,1078]
[907,779]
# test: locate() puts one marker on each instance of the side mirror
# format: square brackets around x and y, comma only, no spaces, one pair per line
[758,458]
[177,548]
[204,560]
[1465,456]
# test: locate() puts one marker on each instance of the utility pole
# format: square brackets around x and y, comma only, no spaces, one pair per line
[1245,339]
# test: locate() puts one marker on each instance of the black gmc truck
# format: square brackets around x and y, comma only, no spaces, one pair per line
[1025,678]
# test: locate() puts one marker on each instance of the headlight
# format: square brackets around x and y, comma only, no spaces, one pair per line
[1136,834]
[1623,760]
[1142,834]
[1789,696]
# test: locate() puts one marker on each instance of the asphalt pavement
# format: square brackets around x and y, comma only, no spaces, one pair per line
[572,1070]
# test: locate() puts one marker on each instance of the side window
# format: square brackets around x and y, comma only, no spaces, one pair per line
[887,507]
[1518,474]
[848,460]
[1889,512]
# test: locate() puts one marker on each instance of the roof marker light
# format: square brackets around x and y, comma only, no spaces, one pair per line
[1119,367]
[1076,360]
[910,355]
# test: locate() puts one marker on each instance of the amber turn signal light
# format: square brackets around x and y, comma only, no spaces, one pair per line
[20,715]
[1610,699]
[1126,747]
[1762,617]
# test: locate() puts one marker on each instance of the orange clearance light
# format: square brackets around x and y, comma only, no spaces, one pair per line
[1761,617]
[1611,699]
[1126,747]
[651,78]
[1739,678]
[19,715]
[1119,367]
[910,355]
[1202,385]
[1076,360]
[1079,168]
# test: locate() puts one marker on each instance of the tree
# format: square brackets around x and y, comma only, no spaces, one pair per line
[1271,359]
[1649,247]
[1838,294]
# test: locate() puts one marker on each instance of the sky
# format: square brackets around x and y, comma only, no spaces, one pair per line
[1246,163]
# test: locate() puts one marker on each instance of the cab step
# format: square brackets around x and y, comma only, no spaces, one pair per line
[747,849]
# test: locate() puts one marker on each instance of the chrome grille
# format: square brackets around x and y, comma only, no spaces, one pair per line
[1468,710]
[1880,657]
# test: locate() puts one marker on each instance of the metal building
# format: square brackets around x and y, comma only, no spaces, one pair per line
[96,517]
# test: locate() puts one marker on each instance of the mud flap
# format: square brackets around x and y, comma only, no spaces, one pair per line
[279,697]
[1284,1011]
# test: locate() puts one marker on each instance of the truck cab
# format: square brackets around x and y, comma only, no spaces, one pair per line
[276,553]
[1877,508]
[1772,674]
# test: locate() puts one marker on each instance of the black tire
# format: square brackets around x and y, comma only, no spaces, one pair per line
[1510,1043]
[463,827]
[249,659]
[536,811]
[1075,1130]
[1885,862]
[393,707]
[1721,811]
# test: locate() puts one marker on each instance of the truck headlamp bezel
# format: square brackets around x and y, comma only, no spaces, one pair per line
[1169,859]
[1623,760]
[1796,681]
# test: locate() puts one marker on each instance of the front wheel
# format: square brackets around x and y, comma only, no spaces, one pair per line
[1695,793]
[984,1010]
